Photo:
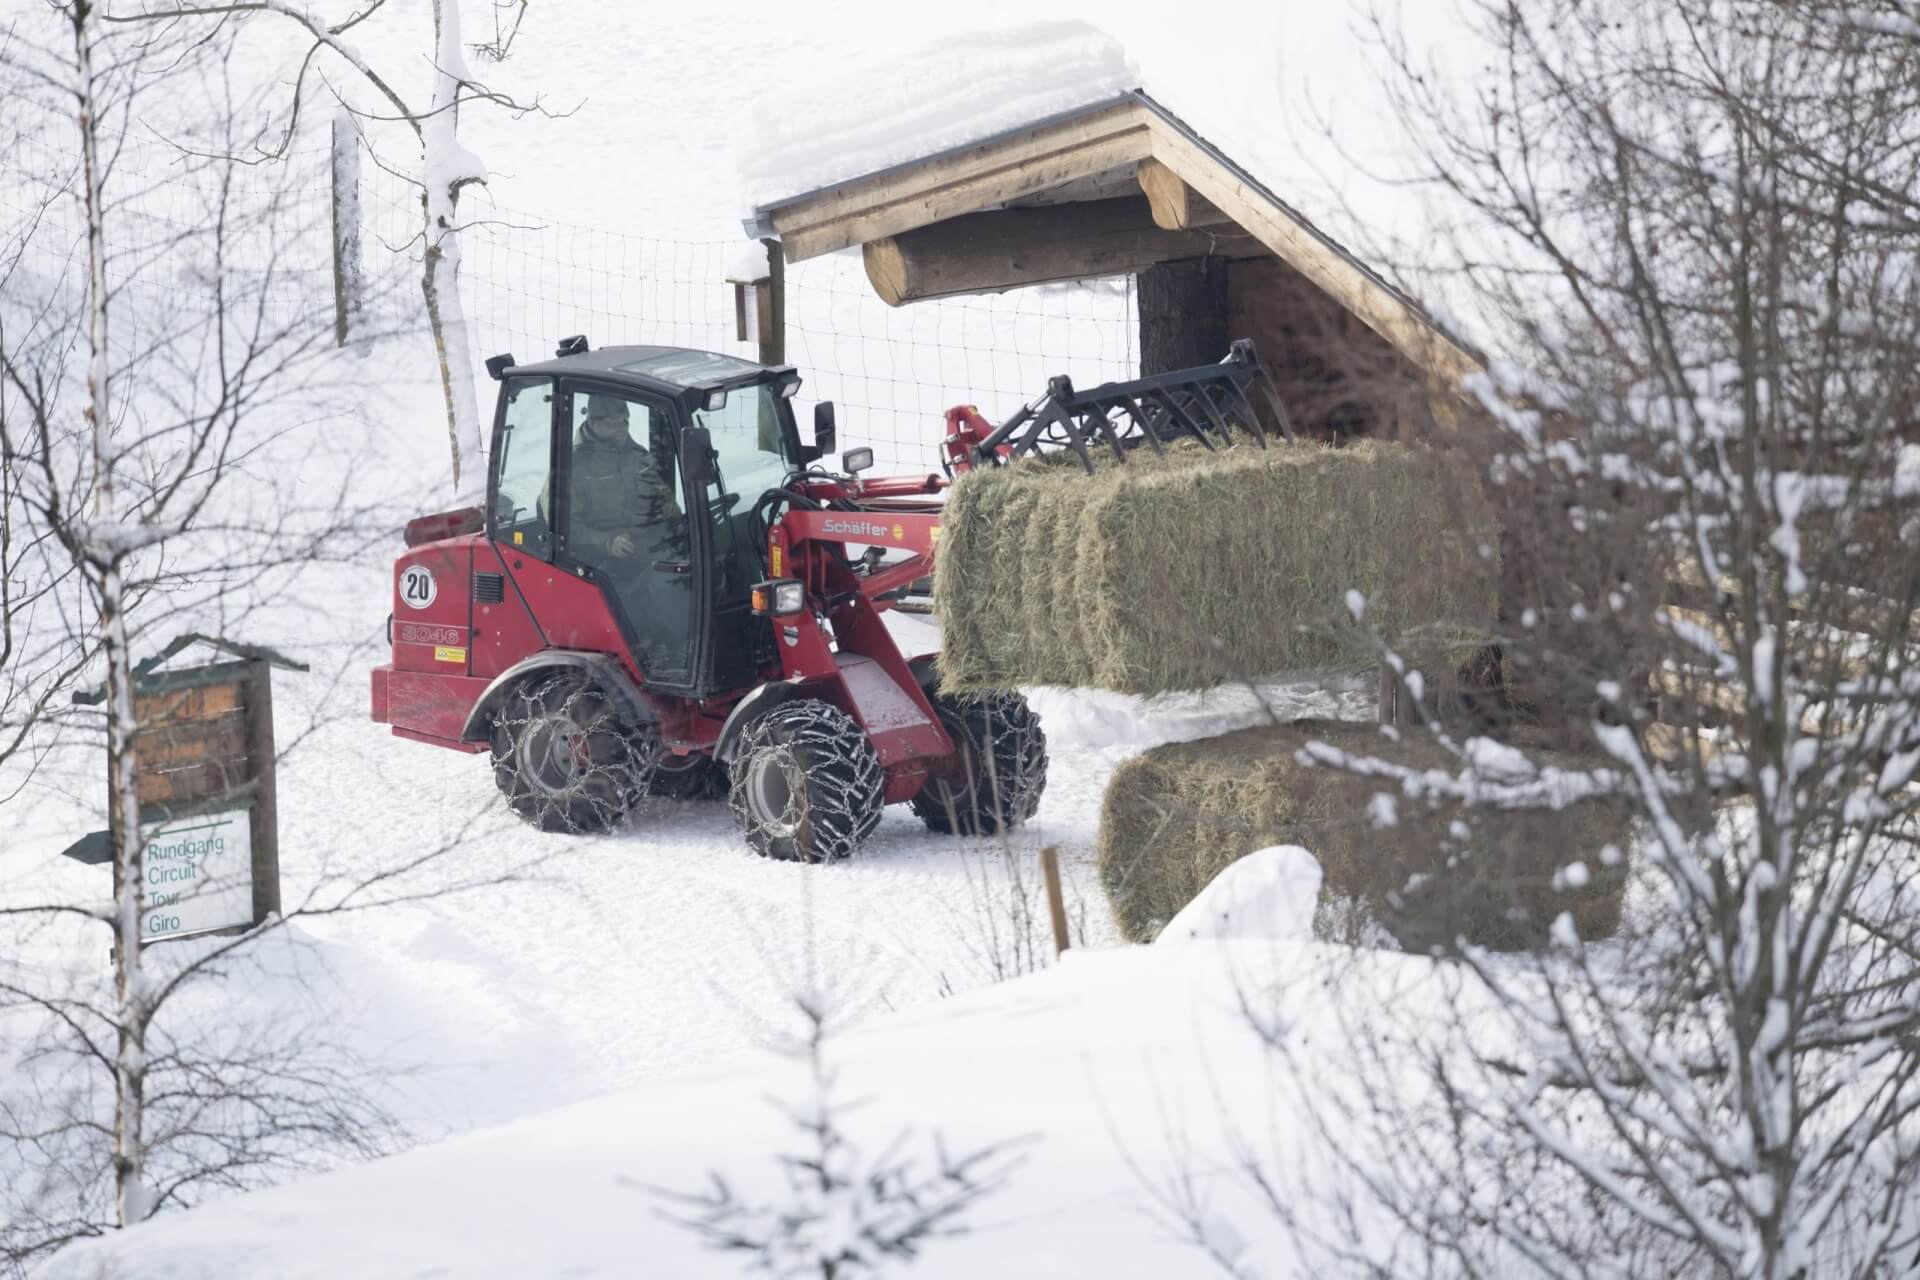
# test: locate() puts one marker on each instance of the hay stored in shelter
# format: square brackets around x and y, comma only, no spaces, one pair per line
[1175,816]
[1180,572]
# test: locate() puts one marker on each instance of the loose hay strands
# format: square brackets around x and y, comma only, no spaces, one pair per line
[1184,571]
[1175,816]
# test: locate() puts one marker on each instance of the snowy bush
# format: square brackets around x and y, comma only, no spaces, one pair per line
[842,1212]
[1693,227]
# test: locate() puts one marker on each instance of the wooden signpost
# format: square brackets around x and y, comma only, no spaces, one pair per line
[209,819]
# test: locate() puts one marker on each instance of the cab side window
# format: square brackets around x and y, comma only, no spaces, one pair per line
[624,520]
[523,508]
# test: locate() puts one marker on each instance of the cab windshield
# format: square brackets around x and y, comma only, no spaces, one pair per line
[748,443]
[749,459]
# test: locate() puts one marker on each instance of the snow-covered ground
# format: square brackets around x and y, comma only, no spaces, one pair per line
[1126,1076]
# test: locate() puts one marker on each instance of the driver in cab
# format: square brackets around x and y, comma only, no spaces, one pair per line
[623,503]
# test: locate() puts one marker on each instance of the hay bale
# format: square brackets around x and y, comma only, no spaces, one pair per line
[1184,571]
[1175,816]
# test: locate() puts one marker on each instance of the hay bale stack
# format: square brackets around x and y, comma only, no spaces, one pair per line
[1175,816]
[1184,571]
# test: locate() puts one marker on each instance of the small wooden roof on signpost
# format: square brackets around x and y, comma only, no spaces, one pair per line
[149,676]
[1053,200]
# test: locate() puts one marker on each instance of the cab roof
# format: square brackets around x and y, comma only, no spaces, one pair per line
[658,368]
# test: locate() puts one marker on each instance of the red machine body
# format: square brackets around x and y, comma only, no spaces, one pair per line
[469,612]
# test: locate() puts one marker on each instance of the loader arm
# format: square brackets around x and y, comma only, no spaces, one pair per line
[854,657]
[916,532]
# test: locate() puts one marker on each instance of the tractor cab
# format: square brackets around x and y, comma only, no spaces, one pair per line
[638,470]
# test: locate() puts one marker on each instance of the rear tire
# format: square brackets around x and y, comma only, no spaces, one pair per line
[566,760]
[997,772]
[688,778]
[807,785]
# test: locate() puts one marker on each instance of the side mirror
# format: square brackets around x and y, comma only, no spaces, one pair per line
[823,429]
[696,458]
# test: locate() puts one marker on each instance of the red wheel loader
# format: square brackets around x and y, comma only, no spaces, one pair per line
[662,596]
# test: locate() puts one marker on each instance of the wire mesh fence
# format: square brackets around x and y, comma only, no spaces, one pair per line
[527,281]
[894,371]
[188,229]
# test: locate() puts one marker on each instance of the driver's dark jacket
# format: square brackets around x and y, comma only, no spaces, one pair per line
[618,488]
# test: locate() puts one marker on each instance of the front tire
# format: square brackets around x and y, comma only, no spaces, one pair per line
[994,779]
[807,785]
[566,760]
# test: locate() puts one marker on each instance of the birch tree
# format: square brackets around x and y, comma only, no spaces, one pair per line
[176,440]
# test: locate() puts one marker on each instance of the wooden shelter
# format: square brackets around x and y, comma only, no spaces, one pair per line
[1125,187]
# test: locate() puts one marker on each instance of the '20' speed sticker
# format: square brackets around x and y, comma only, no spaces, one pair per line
[417,587]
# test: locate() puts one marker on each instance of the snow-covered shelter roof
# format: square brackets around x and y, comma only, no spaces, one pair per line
[1124,143]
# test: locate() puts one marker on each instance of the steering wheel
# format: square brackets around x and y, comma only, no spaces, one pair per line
[724,504]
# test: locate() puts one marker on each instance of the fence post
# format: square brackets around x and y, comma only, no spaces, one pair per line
[1056,901]
[347,280]
[266,803]
[773,334]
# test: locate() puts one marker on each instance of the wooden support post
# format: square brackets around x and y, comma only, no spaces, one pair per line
[1056,901]
[266,810]
[1183,315]
[1389,696]
[773,330]
[347,288]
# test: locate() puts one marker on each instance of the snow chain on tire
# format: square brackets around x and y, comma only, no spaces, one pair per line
[1000,769]
[806,783]
[566,759]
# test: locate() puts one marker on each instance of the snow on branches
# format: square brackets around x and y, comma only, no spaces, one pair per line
[1704,444]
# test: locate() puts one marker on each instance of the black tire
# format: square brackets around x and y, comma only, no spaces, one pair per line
[994,780]
[688,778]
[565,758]
[807,785]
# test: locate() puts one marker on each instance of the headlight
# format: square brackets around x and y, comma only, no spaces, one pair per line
[781,598]
[716,400]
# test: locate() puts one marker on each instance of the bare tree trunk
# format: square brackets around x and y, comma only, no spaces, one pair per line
[430,289]
[106,555]
[448,168]
[349,288]
[129,1065]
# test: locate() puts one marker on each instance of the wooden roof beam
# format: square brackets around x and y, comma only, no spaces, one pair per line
[1176,206]
[1377,306]
[980,177]
[1008,248]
